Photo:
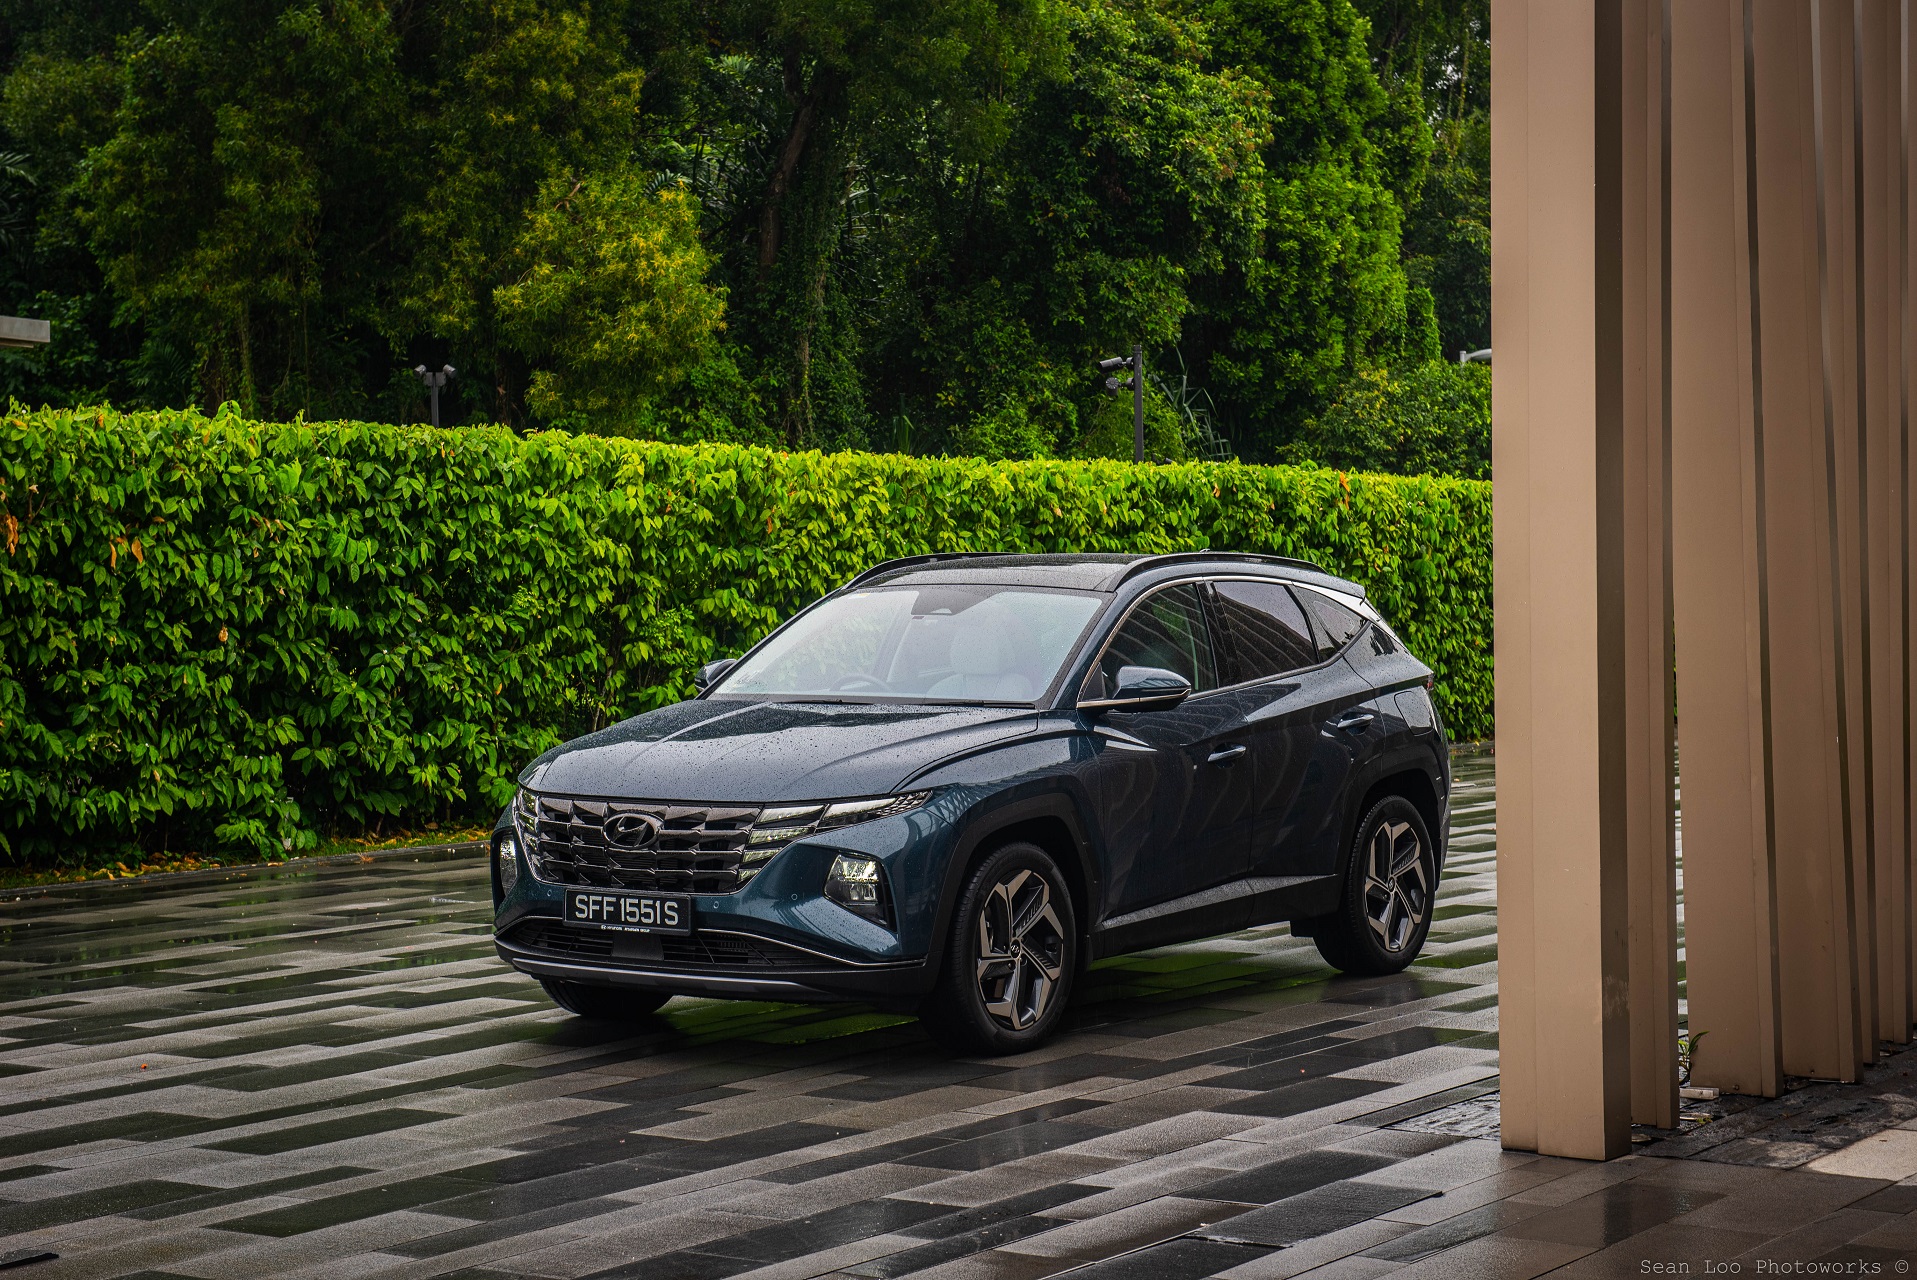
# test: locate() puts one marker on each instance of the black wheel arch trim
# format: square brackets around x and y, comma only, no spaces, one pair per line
[993,820]
[1410,758]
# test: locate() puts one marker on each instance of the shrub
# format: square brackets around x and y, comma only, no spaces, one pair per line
[219,633]
[1428,419]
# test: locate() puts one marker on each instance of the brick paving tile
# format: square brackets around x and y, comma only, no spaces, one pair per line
[326,1072]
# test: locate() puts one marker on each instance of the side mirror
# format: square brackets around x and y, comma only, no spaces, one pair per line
[1143,689]
[707,676]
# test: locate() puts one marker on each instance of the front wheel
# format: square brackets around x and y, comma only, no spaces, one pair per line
[1380,925]
[1012,957]
[606,1004]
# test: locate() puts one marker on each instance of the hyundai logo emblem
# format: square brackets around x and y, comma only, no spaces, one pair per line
[632,830]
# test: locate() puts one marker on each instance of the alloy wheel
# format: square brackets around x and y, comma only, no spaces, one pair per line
[1021,950]
[1397,885]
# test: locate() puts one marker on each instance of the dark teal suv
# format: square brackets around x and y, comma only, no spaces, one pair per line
[950,784]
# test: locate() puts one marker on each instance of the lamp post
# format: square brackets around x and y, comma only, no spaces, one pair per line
[1136,384]
[434,380]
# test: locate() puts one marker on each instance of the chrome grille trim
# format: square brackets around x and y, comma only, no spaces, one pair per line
[685,848]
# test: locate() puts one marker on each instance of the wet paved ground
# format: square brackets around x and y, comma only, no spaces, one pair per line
[329,1074]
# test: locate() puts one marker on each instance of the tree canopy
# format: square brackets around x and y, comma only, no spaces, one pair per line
[885,224]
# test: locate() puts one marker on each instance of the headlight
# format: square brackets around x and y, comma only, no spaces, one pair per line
[780,825]
[507,852]
[526,826]
[858,885]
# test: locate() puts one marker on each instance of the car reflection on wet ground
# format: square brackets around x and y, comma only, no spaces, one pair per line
[328,1073]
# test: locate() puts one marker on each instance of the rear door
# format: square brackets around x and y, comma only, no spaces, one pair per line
[1350,719]
[1175,787]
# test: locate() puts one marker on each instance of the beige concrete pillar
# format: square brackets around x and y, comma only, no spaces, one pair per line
[1905,526]
[1719,560]
[1558,148]
[1649,725]
[1791,58]
[1840,213]
[1879,267]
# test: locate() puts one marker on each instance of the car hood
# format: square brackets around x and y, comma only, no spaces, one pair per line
[719,750]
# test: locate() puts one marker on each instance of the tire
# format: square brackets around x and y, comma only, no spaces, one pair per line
[1390,888]
[605,1004]
[1002,989]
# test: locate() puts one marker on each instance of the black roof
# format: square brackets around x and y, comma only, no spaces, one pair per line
[1088,571]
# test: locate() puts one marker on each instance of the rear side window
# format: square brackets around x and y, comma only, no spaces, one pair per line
[1336,624]
[1268,632]
[1167,630]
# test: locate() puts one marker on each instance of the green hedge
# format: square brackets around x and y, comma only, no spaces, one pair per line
[219,633]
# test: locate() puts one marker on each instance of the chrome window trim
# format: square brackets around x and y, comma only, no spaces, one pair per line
[1340,597]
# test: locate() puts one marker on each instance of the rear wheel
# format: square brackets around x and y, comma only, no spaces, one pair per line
[1011,959]
[606,1004]
[1381,923]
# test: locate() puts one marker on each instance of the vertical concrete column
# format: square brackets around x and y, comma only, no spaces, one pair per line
[1905,527]
[1719,558]
[1558,148]
[1840,257]
[1880,332]
[1649,725]
[1790,52]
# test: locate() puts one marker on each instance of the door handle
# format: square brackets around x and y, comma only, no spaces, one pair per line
[1225,755]
[1353,720]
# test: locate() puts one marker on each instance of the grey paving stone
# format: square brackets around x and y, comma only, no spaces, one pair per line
[343,1080]
[1320,1211]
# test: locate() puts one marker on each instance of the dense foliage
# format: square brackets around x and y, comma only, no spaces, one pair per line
[1429,419]
[221,633]
[908,225]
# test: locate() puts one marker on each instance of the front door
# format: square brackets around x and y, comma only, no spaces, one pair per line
[1176,785]
[1281,680]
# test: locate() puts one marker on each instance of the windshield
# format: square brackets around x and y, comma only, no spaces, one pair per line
[943,644]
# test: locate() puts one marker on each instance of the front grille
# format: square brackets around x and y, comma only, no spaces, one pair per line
[674,848]
[697,848]
[699,952]
[559,940]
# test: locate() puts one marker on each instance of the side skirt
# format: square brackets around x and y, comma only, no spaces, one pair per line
[1225,908]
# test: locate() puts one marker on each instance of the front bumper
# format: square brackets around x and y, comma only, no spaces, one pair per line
[775,938]
[748,968]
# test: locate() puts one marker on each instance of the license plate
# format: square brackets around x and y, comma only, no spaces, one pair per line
[629,912]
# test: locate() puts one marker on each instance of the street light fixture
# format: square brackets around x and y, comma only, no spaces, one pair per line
[24,334]
[1136,385]
[434,380]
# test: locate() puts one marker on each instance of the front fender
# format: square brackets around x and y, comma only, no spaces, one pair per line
[1032,788]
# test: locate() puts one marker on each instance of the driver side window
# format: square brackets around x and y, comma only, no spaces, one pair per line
[1168,630]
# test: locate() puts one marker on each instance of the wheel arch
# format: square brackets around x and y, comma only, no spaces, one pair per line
[1050,821]
[1409,777]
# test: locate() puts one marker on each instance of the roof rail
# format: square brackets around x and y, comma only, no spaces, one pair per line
[1245,557]
[886,566]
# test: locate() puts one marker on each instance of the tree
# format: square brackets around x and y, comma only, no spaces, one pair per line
[612,301]
[1435,56]
[506,98]
[1326,294]
[921,220]
[232,203]
[1432,418]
